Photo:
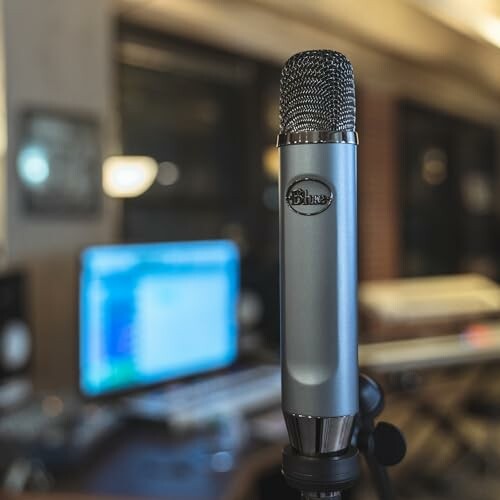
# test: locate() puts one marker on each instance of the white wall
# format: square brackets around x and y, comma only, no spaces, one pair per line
[54,54]
[58,55]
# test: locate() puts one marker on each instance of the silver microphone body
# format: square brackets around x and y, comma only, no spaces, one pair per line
[318,291]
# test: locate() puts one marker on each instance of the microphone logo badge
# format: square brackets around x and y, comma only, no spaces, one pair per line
[309,196]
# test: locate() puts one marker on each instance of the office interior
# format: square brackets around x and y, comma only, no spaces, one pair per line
[139,288]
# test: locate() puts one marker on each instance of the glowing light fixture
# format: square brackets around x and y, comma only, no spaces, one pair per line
[168,173]
[434,166]
[271,162]
[33,166]
[477,18]
[128,176]
[489,27]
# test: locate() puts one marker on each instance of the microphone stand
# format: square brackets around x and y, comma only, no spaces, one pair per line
[381,444]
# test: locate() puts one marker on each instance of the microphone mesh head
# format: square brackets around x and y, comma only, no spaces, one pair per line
[317,92]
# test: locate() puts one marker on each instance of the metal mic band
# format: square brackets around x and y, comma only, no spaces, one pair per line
[316,435]
[318,137]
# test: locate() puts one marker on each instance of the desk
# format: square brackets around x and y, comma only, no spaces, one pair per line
[476,345]
[145,461]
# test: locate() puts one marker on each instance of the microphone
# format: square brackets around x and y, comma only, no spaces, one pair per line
[318,271]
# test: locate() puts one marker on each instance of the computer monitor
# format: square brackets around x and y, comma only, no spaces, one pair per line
[151,313]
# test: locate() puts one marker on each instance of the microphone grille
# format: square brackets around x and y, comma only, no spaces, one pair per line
[317,92]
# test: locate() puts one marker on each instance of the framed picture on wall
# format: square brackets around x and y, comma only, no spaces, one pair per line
[58,163]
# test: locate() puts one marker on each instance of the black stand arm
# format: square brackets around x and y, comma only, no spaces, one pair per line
[383,444]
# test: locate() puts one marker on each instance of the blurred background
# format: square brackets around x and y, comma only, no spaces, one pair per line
[139,320]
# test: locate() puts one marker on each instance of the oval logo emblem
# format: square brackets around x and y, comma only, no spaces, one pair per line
[308,196]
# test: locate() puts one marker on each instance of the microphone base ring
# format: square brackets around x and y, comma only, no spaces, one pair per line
[320,473]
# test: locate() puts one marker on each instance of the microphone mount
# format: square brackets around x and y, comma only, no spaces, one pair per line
[327,475]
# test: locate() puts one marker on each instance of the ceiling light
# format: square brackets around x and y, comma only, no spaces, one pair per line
[128,176]
[490,29]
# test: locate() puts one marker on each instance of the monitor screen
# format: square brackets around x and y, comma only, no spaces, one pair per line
[151,313]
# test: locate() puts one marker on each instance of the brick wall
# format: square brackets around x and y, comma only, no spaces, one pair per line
[378,186]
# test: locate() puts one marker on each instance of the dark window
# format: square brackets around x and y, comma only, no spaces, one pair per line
[448,185]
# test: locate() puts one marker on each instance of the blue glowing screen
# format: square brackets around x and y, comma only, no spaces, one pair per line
[156,312]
